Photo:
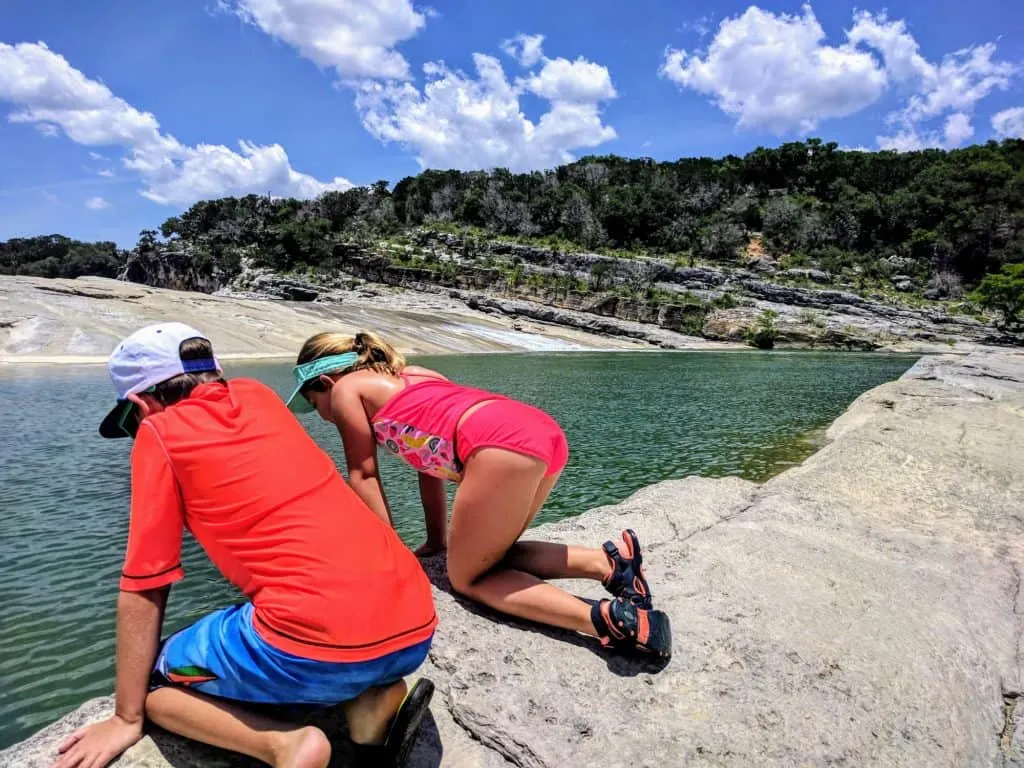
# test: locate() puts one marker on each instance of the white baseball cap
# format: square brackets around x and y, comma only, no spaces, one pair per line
[148,357]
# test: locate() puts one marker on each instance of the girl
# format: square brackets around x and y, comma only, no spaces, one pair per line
[506,457]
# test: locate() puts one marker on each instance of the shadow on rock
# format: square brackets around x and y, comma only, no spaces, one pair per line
[178,752]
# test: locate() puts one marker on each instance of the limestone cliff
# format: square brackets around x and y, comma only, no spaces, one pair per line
[720,303]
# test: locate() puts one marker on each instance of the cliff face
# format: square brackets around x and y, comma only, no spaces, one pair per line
[180,269]
[716,303]
[861,609]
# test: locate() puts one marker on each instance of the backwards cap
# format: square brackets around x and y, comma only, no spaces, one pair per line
[148,357]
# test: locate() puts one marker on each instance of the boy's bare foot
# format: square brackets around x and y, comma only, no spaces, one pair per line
[305,748]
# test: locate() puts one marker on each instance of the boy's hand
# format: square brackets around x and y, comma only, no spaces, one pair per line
[97,745]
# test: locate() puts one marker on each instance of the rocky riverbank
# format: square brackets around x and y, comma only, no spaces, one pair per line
[80,321]
[649,299]
[862,609]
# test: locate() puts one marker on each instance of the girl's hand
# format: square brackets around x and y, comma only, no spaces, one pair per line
[429,548]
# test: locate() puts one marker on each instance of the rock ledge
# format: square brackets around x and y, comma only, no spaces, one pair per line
[862,609]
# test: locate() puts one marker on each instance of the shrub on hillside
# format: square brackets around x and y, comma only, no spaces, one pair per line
[1004,292]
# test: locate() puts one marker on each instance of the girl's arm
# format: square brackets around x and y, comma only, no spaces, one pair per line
[360,448]
[435,512]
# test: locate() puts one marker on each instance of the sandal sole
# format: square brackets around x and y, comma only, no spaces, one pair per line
[406,725]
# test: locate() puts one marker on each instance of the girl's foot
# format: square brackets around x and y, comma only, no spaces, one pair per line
[622,624]
[627,577]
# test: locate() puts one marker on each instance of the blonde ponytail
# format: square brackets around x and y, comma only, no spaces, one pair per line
[374,353]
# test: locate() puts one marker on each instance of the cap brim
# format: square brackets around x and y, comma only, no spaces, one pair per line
[299,404]
[111,425]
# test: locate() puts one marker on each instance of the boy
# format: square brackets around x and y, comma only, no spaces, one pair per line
[339,609]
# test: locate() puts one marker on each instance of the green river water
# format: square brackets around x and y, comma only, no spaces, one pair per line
[631,419]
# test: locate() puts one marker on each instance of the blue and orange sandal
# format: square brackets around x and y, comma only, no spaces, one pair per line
[621,624]
[627,577]
[402,732]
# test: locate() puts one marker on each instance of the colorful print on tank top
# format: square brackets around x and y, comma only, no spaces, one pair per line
[423,451]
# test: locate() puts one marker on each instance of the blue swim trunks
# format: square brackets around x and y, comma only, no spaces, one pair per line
[222,655]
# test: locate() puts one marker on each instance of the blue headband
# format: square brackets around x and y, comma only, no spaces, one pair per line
[307,372]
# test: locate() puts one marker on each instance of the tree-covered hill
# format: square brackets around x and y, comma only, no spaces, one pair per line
[59,256]
[958,213]
[948,217]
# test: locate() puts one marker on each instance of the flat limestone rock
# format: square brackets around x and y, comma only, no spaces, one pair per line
[82,320]
[862,609]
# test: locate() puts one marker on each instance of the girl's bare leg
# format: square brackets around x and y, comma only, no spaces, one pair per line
[494,504]
[548,560]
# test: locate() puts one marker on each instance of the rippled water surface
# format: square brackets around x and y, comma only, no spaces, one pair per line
[632,419]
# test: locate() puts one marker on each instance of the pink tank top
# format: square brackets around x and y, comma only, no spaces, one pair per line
[418,424]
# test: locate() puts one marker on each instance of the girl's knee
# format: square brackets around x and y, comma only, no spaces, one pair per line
[515,551]
[463,582]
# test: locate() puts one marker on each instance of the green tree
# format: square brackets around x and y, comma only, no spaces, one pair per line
[58,256]
[599,272]
[764,332]
[515,277]
[147,240]
[171,227]
[1004,292]
[720,242]
[783,224]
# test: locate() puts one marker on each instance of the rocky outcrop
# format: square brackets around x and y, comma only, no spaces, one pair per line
[862,609]
[809,316]
[179,268]
[670,326]
[661,332]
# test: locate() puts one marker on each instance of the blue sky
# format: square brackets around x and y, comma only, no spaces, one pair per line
[120,113]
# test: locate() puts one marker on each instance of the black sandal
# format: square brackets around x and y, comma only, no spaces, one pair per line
[406,725]
[621,624]
[627,577]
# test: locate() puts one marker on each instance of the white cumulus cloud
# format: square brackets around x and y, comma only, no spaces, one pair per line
[526,49]
[1009,124]
[897,47]
[960,81]
[96,204]
[949,90]
[357,39]
[958,130]
[454,120]
[777,72]
[579,82]
[46,89]
[460,121]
